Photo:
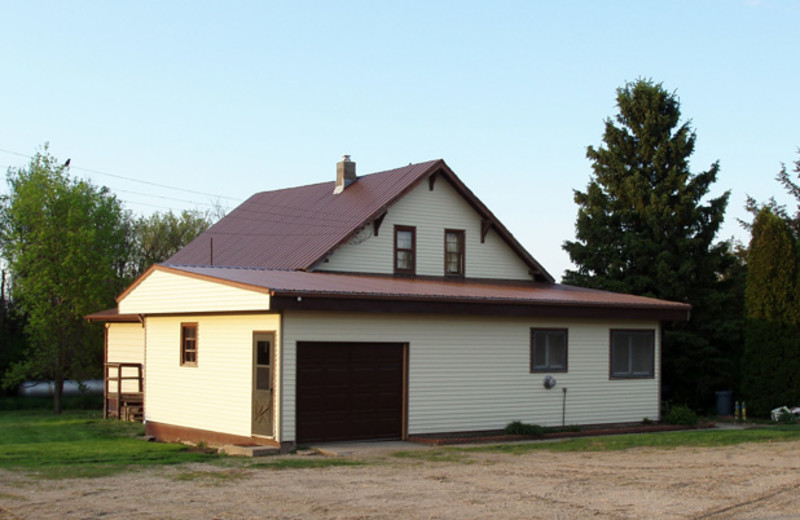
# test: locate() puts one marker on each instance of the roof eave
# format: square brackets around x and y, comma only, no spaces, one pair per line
[311,301]
[112,316]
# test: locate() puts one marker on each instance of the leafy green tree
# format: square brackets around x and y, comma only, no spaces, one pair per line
[161,235]
[771,362]
[12,338]
[645,226]
[66,244]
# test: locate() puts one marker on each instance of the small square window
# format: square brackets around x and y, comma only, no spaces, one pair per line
[548,350]
[632,354]
[189,344]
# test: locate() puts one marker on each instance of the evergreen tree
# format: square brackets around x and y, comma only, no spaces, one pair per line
[644,227]
[771,362]
[793,189]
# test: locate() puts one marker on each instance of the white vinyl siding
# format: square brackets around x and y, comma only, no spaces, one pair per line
[167,292]
[431,212]
[216,394]
[125,345]
[473,373]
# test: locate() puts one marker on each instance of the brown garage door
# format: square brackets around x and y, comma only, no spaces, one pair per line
[349,391]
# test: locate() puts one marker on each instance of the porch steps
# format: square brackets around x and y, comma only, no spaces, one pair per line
[240,450]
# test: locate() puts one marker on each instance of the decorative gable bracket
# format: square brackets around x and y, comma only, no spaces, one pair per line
[376,224]
[486,225]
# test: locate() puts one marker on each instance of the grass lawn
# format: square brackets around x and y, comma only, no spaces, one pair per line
[662,440]
[80,443]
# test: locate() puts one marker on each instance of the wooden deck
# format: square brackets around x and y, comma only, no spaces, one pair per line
[124,395]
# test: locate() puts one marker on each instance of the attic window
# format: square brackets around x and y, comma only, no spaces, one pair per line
[405,245]
[453,252]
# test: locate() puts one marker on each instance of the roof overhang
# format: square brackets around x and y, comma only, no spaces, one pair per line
[112,316]
[359,303]
[319,291]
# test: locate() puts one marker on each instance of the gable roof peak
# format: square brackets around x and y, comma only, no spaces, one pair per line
[295,228]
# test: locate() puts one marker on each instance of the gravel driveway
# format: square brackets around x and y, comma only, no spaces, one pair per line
[746,482]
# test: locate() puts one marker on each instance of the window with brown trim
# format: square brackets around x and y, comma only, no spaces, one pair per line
[453,252]
[632,354]
[405,249]
[549,350]
[189,344]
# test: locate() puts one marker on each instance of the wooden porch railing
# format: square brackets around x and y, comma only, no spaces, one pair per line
[119,403]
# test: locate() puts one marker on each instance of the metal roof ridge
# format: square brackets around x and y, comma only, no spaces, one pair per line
[231,267]
[324,183]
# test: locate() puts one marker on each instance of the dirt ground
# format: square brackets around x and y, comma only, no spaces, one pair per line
[755,481]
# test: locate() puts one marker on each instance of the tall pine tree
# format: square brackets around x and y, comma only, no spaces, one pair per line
[771,361]
[644,227]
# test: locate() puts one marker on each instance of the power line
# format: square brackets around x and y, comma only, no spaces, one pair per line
[117,190]
[130,179]
[149,205]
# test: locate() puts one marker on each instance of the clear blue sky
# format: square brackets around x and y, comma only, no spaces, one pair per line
[231,98]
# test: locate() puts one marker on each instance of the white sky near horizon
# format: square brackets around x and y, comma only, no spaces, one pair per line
[233,98]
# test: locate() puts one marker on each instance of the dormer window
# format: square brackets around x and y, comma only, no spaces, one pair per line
[453,252]
[405,245]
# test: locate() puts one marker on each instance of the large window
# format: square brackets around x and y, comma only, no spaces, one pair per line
[548,350]
[632,353]
[189,344]
[453,252]
[405,245]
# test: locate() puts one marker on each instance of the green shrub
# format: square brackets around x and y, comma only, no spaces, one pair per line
[681,414]
[520,428]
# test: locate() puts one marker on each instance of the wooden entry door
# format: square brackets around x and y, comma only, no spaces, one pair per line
[263,387]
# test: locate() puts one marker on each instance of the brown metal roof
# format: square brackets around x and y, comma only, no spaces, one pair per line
[295,228]
[303,284]
[112,316]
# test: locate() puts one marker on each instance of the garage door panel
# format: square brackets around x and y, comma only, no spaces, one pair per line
[349,391]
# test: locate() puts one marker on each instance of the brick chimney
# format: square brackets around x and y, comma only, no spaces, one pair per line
[345,174]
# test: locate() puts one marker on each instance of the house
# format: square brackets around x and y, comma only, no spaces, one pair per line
[382,306]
